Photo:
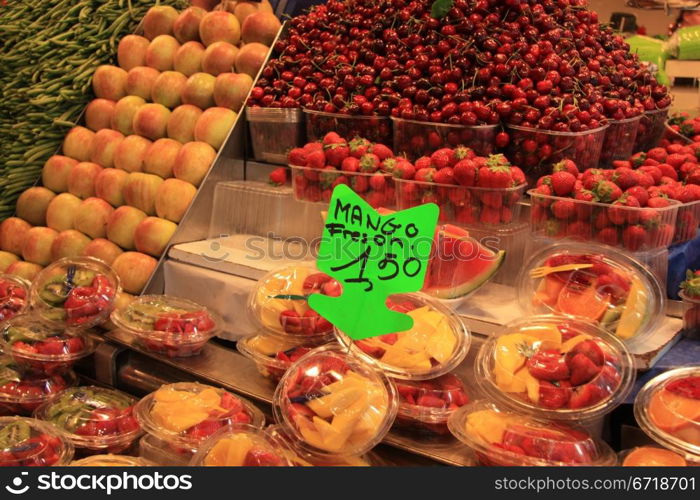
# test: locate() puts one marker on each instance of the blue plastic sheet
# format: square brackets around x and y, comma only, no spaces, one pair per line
[681,257]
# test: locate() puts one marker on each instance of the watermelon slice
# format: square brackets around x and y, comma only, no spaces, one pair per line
[459,264]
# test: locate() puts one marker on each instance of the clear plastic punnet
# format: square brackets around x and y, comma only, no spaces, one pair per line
[14,296]
[436,344]
[334,404]
[415,138]
[274,132]
[620,138]
[651,129]
[241,446]
[315,185]
[504,438]
[184,414]
[167,325]
[667,409]
[555,367]
[29,442]
[596,284]
[371,127]
[95,419]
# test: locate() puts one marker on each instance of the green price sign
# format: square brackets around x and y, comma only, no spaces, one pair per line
[373,256]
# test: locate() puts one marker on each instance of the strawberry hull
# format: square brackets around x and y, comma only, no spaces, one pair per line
[416,139]
[536,151]
[274,131]
[372,128]
[315,185]
[651,129]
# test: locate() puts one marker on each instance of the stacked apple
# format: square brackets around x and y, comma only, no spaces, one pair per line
[125,180]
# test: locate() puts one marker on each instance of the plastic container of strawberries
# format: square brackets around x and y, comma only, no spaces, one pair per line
[667,409]
[651,129]
[315,185]
[167,325]
[271,354]
[415,138]
[30,442]
[438,332]
[373,128]
[611,289]
[14,295]
[691,315]
[274,131]
[463,205]
[500,437]
[535,150]
[620,139]
[555,367]
[687,222]
[240,446]
[631,228]
[75,293]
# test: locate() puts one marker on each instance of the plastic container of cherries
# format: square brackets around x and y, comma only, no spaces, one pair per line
[184,414]
[95,419]
[75,292]
[43,348]
[667,409]
[241,446]
[333,404]
[279,303]
[505,438]
[14,295]
[166,325]
[593,283]
[111,461]
[272,355]
[30,442]
[21,392]
[554,367]
[436,344]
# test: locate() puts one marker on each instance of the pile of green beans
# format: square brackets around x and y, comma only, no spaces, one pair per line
[49,50]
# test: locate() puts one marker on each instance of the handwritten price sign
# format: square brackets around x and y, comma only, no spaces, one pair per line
[373,256]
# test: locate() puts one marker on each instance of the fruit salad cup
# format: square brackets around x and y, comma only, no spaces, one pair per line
[593,283]
[75,292]
[279,303]
[667,409]
[95,419]
[334,404]
[184,414]
[502,438]
[166,325]
[14,292]
[425,406]
[651,456]
[111,461]
[556,368]
[272,355]
[241,446]
[21,392]
[436,344]
[43,348]
[29,442]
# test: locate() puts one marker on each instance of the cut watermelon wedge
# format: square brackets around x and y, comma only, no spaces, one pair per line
[459,264]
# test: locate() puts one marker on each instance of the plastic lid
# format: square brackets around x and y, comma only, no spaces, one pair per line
[30,442]
[24,391]
[504,438]
[241,446]
[555,367]
[431,401]
[43,346]
[614,291]
[186,413]
[92,417]
[110,460]
[169,320]
[279,304]
[437,343]
[273,355]
[14,292]
[667,409]
[75,292]
[334,403]
[650,456]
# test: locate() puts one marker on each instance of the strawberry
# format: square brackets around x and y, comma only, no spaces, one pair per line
[658,154]
[297,157]
[465,173]
[688,193]
[658,202]
[316,159]
[544,180]
[638,159]
[442,158]
[547,364]
[444,176]
[620,216]
[688,387]
[313,146]
[496,173]
[463,153]
[582,368]
[608,236]
[585,396]
[583,210]
[332,138]
[607,191]
[506,215]
[336,153]
[645,179]
[638,192]
[563,209]
[579,230]
[633,237]
[675,160]
[350,164]
[655,172]
[591,177]
[278,177]
[651,163]
[382,151]
[369,163]
[625,178]
[377,182]
[566,165]
[693,177]
[358,147]
[359,183]
[403,170]
[518,176]
[467,214]
[544,189]
[590,349]
[425,174]
[649,218]
[601,220]
[563,183]
[490,215]
[554,396]
[423,162]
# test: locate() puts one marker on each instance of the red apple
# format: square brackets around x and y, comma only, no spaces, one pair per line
[103,147]
[140,191]
[98,114]
[182,121]
[151,121]
[186,26]
[124,111]
[26,270]
[109,185]
[122,224]
[37,245]
[102,249]
[78,143]
[109,82]
[214,126]
[131,152]
[132,51]
[199,90]
[173,198]
[260,27]
[188,58]
[13,232]
[92,216]
[161,52]
[153,234]
[220,26]
[81,180]
[32,205]
[219,58]
[193,162]
[54,175]
[69,243]
[139,81]
[134,270]
[160,157]
[250,58]
[231,90]
[159,20]
[6,260]
[60,213]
